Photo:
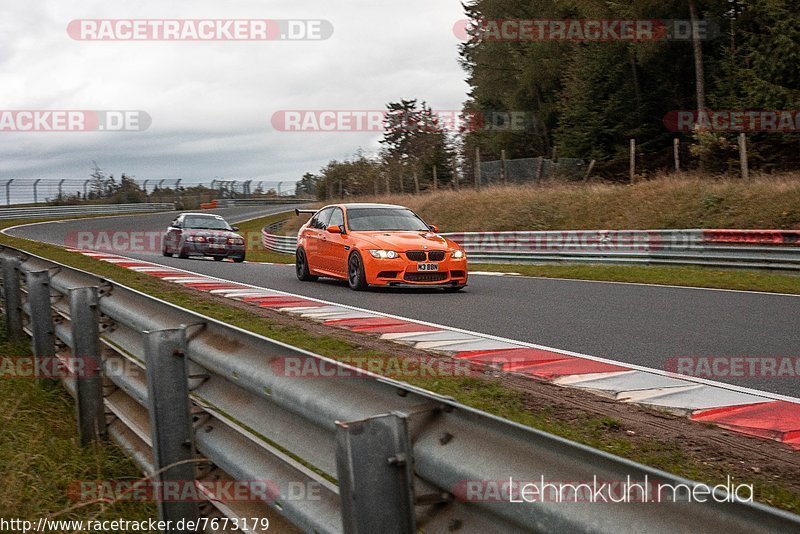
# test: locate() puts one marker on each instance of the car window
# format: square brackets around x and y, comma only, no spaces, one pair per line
[375,219]
[337,218]
[199,222]
[320,220]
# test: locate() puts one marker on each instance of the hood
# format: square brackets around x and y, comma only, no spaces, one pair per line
[210,233]
[405,241]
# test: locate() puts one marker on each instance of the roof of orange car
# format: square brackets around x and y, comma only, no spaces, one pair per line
[367,205]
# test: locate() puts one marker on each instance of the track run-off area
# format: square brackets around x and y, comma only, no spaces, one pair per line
[641,325]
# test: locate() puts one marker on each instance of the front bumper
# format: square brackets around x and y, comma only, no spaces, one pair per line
[402,272]
[205,249]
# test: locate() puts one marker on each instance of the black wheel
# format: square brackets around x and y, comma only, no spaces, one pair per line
[182,254]
[301,267]
[218,258]
[238,259]
[355,273]
[166,254]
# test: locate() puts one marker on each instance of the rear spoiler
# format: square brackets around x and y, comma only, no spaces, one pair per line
[298,211]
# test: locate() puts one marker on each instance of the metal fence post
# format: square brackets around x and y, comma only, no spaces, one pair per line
[44,339]
[8,192]
[745,168]
[86,350]
[12,298]
[632,170]
[170,418]
[477,168]
[374,466]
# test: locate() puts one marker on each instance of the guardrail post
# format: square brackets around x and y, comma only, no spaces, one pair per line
[89,383]
[44,338]
[374,467]
[170,418]
[12,298]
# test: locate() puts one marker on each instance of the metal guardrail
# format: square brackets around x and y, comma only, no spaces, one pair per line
[235,202]
[751,249]
[285,244]
[84,209]
[192,398]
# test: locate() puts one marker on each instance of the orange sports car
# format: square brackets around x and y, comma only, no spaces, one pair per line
[377,245]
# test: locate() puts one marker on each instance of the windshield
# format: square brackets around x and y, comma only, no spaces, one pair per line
[384,219]
[205,223]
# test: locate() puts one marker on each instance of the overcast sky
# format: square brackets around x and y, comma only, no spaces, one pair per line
[211,102]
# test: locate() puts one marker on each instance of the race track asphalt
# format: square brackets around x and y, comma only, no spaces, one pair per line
[636,324]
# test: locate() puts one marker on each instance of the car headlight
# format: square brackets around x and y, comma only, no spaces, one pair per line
[235,241]
[458,254]
[384,254]
[197,239]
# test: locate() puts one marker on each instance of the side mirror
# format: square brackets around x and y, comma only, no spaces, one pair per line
[434,228]
[235,228]
[335,229]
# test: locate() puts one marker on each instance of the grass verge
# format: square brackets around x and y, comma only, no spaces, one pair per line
[40,456]
[251,230]
[484,394]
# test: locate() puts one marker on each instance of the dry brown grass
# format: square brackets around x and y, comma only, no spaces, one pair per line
[689,201]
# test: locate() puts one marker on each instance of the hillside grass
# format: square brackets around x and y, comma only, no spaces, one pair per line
[664,203]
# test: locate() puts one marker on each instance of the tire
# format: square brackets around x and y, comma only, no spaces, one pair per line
[218,258]
[301,267]
[182,254]
[238,259]
[356,278]
[165,253]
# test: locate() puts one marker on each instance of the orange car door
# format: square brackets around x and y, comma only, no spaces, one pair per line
[315,235]
[336,246]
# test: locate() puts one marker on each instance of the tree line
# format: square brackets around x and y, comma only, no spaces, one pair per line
[586,99]
[590,98]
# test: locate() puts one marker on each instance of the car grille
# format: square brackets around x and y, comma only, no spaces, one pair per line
[425,277]
[421,255]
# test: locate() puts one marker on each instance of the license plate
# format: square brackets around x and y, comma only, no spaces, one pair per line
[217,247]
[428,267]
